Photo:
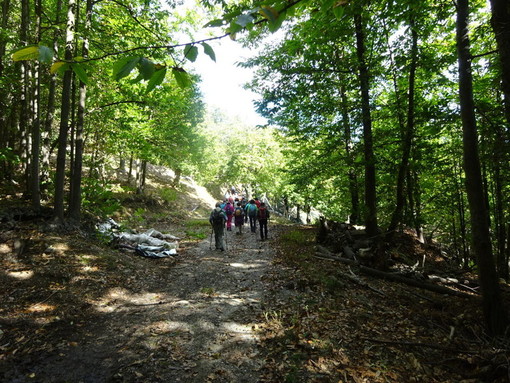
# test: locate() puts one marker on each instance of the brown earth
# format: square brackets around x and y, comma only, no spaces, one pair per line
[73,309]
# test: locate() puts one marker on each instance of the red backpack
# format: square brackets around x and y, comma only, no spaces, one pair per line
[229,209]
[262,213]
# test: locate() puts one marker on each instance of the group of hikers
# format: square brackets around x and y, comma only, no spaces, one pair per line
[239,211]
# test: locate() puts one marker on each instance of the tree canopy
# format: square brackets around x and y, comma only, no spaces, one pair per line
[390,114]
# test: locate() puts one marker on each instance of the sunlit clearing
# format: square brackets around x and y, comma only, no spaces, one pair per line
[26,274]
[245,265]
[117,297]
[89,269]
[168,326]
[40,307]
[240,331]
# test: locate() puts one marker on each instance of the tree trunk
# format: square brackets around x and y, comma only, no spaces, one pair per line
[75,198]
[25,119]
[130,173]
[501,25]
[462,216]
[34,181]
[50,105]
[409,133]
[499,218]
[64,115]
[370,181]
[4,109]
[351,173]
[494,311]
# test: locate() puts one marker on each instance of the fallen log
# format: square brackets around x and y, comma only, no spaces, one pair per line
[395,277]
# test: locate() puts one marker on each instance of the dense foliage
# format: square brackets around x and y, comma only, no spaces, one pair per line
[391,113]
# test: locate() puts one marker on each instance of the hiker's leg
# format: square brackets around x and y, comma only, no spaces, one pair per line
[217,238]
[261,229]
[221,236]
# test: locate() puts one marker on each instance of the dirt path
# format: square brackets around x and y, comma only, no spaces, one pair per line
[192,322]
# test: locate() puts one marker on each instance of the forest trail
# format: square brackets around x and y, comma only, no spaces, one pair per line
[192,321]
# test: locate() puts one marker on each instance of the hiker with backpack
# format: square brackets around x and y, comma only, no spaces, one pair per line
[251,210]
[217,220]
[239,218]
[263,217]
[229,211]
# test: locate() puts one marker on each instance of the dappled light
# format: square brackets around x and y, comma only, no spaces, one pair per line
[25,274]
[153,229]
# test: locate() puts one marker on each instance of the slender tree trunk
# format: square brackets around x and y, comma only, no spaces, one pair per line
[494,311]
[130,173]
[75,198]
[50,105]
[4,110]
[459,203]
[499,218]
[64,115]
[351,173]
[24,119]
[370,180]
[34,182]
[409,133]
[141,178]
[501,25]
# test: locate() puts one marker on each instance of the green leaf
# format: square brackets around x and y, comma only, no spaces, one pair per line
[156,79]
[234,28]
[45,54]
[182,77]
[57,66]
[269,13]
[244,19]
[209,51]
[27,53]
[275,25]
[146,68]
[123,67]
[327,5]
[191,52]
[338,12]
[80,72]
[215,23]
[63,68]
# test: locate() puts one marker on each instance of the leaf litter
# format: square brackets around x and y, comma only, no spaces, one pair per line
[74,309]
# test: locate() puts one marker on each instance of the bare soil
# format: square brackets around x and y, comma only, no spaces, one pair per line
[72,313]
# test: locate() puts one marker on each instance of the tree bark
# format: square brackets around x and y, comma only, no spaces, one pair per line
[370,180]
[501,25]
[409,133]
[50,105]
[4,109]
[351,173]
[75,198]
[34,181]
[64,115]
[494,311]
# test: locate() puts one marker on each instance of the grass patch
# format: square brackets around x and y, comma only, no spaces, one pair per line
[168,194]
[197,229]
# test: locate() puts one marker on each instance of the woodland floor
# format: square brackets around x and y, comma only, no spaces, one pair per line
[74,310]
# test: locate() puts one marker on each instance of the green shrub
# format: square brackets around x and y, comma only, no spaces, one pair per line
[168,194]
[98,198]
